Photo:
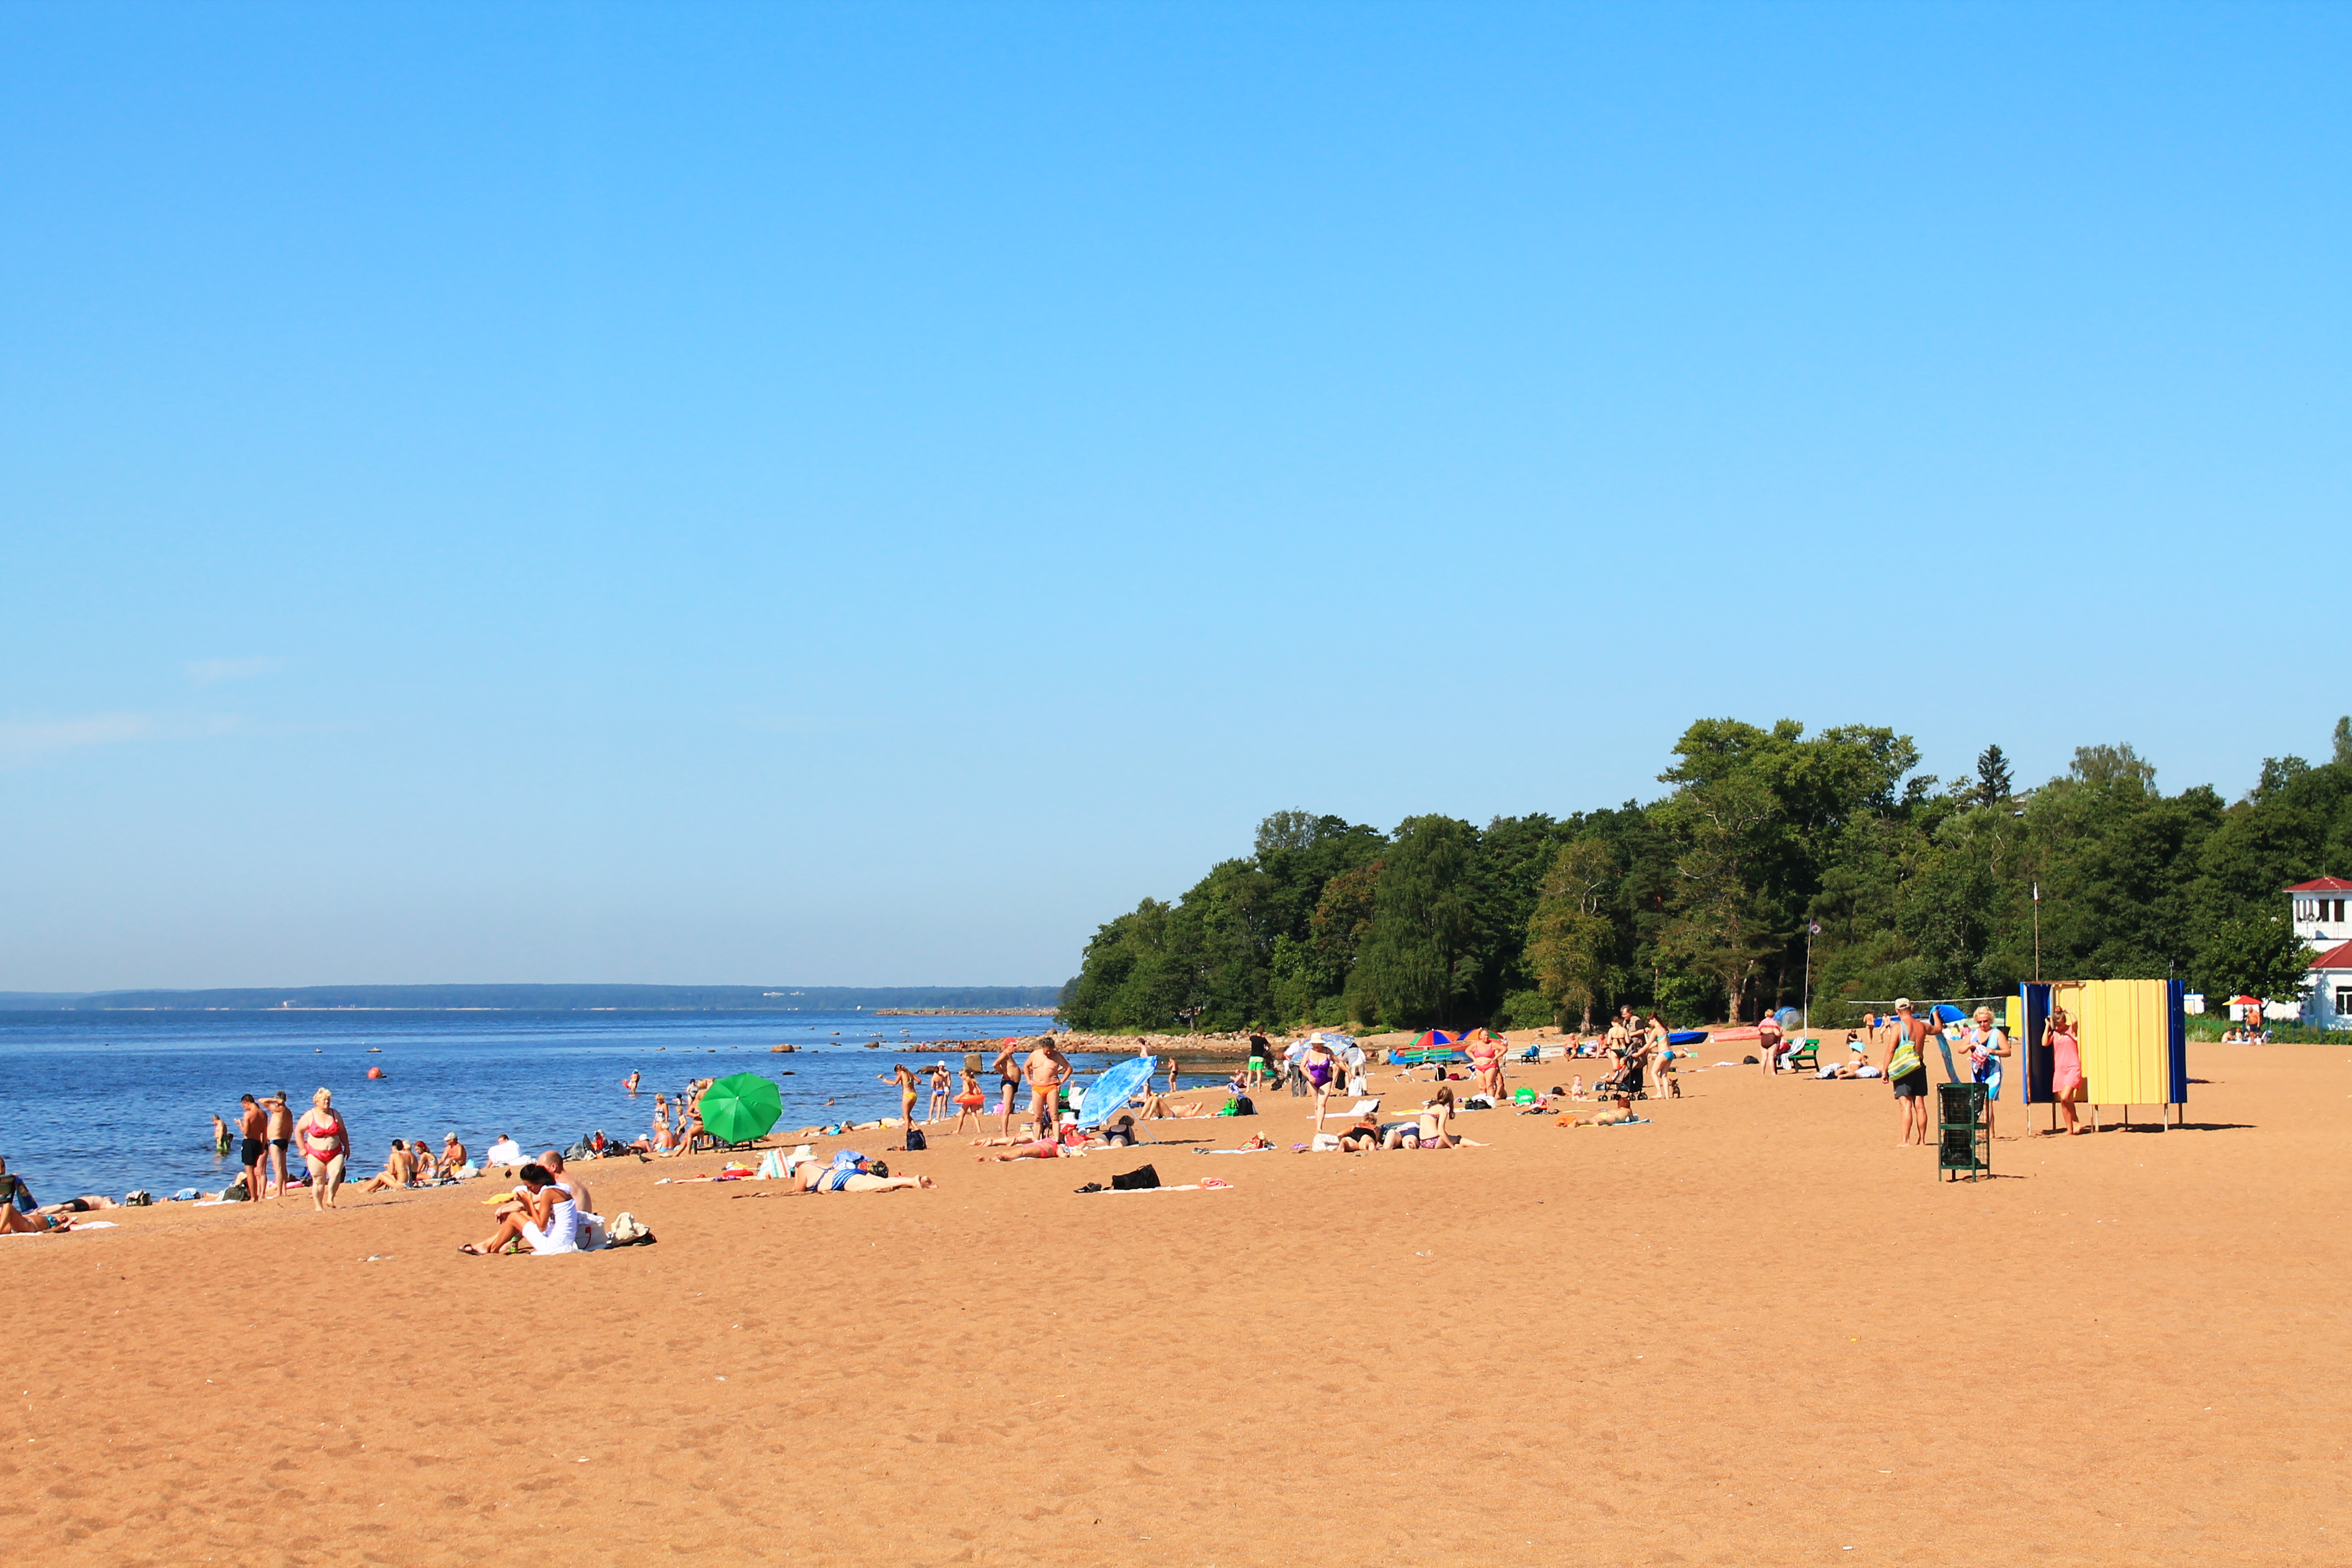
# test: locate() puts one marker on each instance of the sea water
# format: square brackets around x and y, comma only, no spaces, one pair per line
[104,1102]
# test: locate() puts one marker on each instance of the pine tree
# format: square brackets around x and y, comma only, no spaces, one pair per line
[1992,777]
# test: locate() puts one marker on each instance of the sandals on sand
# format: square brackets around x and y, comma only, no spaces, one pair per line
[470,1250]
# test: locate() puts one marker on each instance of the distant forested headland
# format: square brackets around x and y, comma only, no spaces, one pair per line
[552,999]
[1701,903]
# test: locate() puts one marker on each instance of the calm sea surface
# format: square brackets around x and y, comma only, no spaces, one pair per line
[103,1102]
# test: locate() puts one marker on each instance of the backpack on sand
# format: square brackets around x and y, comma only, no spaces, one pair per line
[1138,1179]
[916,1142]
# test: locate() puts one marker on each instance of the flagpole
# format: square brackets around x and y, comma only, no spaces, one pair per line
[2037,933]
[1812,929]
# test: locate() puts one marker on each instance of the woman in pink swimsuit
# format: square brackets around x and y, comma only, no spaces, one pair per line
[2065,1067]
[326,1143]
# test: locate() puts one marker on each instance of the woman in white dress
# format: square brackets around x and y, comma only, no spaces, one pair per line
[544,1219]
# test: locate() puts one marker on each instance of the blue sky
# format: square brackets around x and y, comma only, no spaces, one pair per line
[863,495]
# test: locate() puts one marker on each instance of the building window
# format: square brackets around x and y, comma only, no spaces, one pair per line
[2344,1001]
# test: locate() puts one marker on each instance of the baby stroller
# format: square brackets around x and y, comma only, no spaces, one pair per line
[1625,1080]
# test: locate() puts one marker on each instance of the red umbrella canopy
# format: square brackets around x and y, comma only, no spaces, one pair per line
[1433,1039]
[2245,1001]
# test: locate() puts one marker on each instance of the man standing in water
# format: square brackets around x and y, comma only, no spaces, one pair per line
[1047,1069]
[253,1130]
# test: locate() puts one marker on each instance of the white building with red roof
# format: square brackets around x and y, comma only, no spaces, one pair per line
[2323,911]
[2323,919]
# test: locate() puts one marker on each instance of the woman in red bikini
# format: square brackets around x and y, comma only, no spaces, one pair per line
[326,1144]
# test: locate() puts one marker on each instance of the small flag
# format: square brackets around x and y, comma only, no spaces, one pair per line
[1813,928]
[2037,892]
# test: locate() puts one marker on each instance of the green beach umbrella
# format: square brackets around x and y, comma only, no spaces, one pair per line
[738,1108]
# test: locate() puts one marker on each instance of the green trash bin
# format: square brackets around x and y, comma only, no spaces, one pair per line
[1963,1142]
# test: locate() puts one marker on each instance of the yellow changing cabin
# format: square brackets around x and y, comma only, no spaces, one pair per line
[2134,1040]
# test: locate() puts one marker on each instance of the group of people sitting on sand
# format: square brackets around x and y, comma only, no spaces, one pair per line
[412,1164]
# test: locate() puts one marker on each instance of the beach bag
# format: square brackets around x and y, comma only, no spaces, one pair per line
[877,1168]
[139,1199]
[1907,1061]
[627,1230]
[1244,1106]
[1141,1178]
[235,1193]
[916,1142]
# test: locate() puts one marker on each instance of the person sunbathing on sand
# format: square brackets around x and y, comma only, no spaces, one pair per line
[850,1176]
[1620,1112]
[1030,1149]
[83,1205]
[14,1222]
[1363,1137]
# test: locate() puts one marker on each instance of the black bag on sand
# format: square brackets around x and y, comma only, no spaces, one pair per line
[916,1142]
[1141,1177]
[1244,1106]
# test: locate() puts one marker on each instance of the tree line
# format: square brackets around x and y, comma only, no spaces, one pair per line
[1777,863]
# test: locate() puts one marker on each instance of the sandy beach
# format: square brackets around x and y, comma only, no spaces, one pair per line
[1752,1332]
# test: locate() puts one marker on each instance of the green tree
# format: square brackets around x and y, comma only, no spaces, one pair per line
[2258,955]
[1569,938]
[1993,786]
[1416,958]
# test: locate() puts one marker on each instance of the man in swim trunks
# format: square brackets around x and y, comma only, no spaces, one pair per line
[1047,1069]
[1007,1068]
[253,1128]
[281,1123]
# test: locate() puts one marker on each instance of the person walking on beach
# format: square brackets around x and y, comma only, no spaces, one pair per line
[1906,1066]
[903,1076]
[1321,1067]
[1768,1041]
[253,1130]
[937,1111]
[326,1146]
[1046,1070]
[1987,1046]
[970,1102]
